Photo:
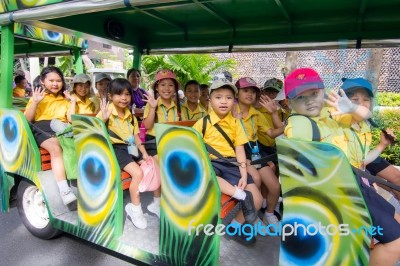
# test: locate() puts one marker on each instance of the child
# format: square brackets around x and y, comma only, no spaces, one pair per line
[191,110]
[253,121]
[124,131]
[47,103]
[225,134]
[101,81]
[161,107]
[20,84]
[204,97]
[81,91]
[360,92]
[305,91]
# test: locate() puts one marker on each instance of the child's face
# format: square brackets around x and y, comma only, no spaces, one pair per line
[52,82]
[134,79]
[192,93]
[361,97]
[204,97]
[222,101]
[82,89]
[166,88]
[309,103]
[122,100]
[101,86]
[271,93]
[23,83]
[247,96]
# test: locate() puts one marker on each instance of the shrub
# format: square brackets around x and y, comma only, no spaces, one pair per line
[388,99]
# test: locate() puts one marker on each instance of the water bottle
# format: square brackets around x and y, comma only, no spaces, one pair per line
[255,155]
[142,132]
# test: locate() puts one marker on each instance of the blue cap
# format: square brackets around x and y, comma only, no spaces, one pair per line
[349,84]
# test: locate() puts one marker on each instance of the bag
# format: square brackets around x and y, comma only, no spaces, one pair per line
[70,159]
[151,176]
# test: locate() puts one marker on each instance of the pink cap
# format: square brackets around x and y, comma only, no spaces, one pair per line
[301,80]
[165,74]
[246,83]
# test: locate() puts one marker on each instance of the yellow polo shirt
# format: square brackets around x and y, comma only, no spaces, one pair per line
[18,92]
[263,138]
[188,114]
[121,126]
[83,107]
[214,138]
[254,124]
[163,113]
[52,106]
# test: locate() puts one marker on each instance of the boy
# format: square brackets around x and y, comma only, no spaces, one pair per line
[305,91]
[191,110]
[20,84]
[225,134]
[204,97]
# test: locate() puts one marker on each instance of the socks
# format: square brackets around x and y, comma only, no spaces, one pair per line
[156,200]
[239,194]
[137,208]
[264,203]
[268,214]
[63,186]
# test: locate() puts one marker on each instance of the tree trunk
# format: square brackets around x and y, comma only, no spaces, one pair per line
[290,63]
[374,67]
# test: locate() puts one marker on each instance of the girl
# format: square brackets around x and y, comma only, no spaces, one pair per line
[124,131]
[134,76]
[101,81]
[161,107]
[47,103]
[81,92]
[253,121]
[192,109]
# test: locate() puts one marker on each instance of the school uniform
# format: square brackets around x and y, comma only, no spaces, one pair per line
[124,128]
[188,114]
[263,138]
[163,114]
[382,213]
[233,129]
[51,107]
[19,92]
[85,106]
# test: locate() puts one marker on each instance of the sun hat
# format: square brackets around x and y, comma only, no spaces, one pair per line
[165,74]
[301,80]
[101,76]
[246,82]
[151,176]
[349,84]
[220,81]
[273,83]
[80,78]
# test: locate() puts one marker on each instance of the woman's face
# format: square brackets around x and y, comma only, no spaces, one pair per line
[134,79]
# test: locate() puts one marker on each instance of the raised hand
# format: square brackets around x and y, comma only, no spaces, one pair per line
[68,95]
[150,100]
[268,104]
[38,94]
[341,103]
[235,113]
[105,111]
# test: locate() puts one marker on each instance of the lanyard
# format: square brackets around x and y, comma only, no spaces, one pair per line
[166,113]
[120,127]
[359,142]
[245,131]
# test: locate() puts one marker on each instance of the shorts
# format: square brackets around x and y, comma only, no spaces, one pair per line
[379,164]
[41,131]
[228,171]
[123,157]
[381,211]
[151,148]
[264,151]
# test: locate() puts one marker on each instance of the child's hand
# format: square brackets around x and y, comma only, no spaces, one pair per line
[68,95]
[106,112]
[235,113]
[147,158]
[150,100]
[388,137]
[268,104]
[38,94]
[341,103]
[242,183]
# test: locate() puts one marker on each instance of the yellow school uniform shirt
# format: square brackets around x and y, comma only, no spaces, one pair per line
[163,113]
[214,138]
[188,114]
[83,107]
[262,136]
[254,124]
[52,106]
[121,126]
[18,92]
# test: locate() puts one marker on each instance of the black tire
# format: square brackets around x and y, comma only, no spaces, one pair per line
[33,211]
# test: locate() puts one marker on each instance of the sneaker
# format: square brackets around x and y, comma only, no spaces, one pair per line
[242,239]
[136,215]
[154,207]
[271,220]
[248,209]
[68,196]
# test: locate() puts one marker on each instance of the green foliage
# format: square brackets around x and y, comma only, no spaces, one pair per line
[66,64]
[200,67]
[128,59]
[388,119]
[388,99]
[101,55]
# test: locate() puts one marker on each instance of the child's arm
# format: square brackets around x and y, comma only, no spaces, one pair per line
[149,120]
[105,111]
[372,155]
[241,158]
[271,107]
[343,105]
[72,105]
[37,97]
[141,147]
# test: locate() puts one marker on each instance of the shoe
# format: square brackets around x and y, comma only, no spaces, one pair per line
[136,215]
[267,220]
[68,196]
[248,209]
[242,238]
[154,207]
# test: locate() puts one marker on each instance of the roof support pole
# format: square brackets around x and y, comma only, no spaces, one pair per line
[6,65]
[78,61]
[137,58]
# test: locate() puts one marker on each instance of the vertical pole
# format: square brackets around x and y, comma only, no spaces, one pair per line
[78,61]
[6,65]
[137,58]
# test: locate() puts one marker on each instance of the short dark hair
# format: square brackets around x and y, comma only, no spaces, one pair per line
[53,69]
[118,85]
[191,82]
[130,71]
[204,87]
[18,79]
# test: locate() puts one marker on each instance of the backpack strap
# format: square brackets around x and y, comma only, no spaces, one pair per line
[223,133]
[316,135]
